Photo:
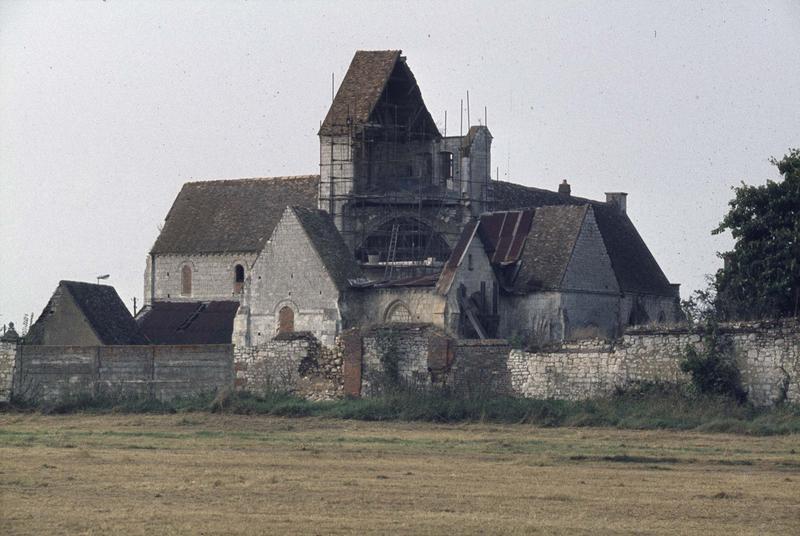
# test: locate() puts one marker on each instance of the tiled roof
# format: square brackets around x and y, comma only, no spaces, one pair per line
[362,88]
[548,247]
[237,215]
[329,245]
[103,309]
[634,266]
[188,322]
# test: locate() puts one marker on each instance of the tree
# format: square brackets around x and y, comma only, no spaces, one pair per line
[761,275]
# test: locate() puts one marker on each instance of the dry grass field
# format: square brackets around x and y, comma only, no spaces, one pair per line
[221,474]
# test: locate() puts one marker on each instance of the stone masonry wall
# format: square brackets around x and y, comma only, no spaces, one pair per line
[8,352]
[212,276]
[767,353]
[480,367]
[294,362]
[395,348]
[50,373]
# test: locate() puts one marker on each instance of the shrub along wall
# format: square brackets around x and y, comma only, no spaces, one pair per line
[50,373]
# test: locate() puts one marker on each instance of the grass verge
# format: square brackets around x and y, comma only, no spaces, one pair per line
[644,407]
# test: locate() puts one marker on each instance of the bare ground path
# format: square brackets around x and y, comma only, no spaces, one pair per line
[222,474]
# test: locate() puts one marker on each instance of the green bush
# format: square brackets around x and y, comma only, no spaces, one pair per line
[711,371]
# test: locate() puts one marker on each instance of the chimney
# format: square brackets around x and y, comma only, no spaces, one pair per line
[564,188]
[618,199]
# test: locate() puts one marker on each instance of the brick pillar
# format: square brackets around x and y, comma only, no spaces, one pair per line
[440,356]
[351,362]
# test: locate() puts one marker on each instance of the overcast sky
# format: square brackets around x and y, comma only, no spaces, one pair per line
[107,108]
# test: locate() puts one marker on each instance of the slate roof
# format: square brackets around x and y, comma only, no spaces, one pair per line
[103,309]
[634,266]
[236,215]
[362,88]
[329,245]
[188,322]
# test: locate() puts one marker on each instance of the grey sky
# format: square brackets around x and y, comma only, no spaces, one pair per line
[107,108]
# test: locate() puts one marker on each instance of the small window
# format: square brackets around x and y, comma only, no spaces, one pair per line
[186,280]
[446,163]
[238,279]
[285,320]
[469,262]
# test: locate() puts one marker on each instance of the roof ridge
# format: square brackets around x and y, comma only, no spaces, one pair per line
[545,190]
[71,282]
[275,178]
[378,50]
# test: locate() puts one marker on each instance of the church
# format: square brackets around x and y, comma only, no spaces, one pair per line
[403,224]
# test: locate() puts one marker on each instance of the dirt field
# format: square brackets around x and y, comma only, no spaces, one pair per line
[210,474]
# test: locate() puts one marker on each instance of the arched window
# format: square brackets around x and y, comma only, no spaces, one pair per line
[662,318]
[285,320]
[398,312]
[186,280]
[238,279]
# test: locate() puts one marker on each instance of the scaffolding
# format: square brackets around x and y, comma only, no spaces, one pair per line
[393,165]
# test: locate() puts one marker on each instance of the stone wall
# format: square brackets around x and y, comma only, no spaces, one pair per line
[767,353]
[293,362]
[212,276]
[395,353]
[50,373]
[480,367]
[8,352]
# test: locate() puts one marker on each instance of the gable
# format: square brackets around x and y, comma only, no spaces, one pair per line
[548,247]
[589,266]
[85,314]
[379,88]
[231,215]
[290,268]
[329,245]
